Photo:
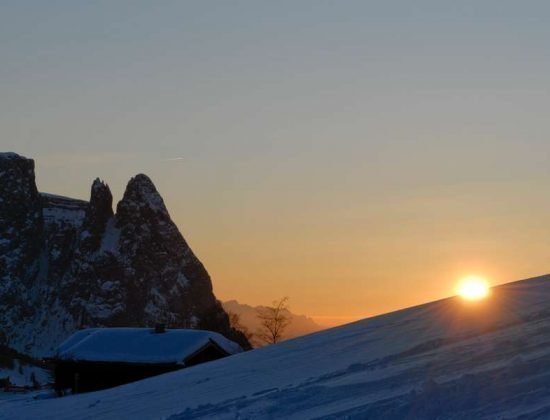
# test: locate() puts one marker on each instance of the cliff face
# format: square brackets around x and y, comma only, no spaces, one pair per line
[66,264]
[21,258]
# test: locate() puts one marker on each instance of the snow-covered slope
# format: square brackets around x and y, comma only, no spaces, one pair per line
[22,374]
[21,371]
[446,359]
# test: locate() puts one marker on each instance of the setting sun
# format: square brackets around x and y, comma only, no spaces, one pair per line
[473,288]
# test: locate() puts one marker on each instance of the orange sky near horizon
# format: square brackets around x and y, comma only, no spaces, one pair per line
[339,262]
[358,157]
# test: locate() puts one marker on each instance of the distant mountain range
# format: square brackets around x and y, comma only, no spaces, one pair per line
[67,264]
[248,317]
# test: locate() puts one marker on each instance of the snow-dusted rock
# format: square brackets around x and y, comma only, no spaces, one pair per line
[67,264]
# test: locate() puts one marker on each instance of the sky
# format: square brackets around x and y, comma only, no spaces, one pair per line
[356,156]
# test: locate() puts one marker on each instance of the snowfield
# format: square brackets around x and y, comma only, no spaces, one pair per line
[448,359]
[22,374]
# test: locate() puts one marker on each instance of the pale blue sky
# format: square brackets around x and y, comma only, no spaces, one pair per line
[329,147]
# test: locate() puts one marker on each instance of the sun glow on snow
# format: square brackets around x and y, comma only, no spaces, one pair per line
[473,288]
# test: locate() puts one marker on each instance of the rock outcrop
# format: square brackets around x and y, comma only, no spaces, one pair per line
[67,264]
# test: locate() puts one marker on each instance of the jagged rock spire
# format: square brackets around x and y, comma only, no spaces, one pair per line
[98,214]
[93,268]
[141,201]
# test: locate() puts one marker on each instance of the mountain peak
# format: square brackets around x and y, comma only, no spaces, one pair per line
[99,184]
[101,192]
[17,182]
[71,263]
[141,183]
[99,212]
[12,156]
[141,178]
[141,197]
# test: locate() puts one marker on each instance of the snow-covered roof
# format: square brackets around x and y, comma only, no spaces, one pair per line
[139,345]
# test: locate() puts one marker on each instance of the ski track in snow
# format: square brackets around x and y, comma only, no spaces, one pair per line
[448,359]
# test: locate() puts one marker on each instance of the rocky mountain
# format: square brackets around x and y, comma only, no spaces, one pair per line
[67,264]
[248,318]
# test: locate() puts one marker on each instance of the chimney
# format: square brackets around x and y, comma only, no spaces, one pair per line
[160,328]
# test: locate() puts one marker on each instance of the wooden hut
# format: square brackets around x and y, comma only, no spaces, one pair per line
[99,358]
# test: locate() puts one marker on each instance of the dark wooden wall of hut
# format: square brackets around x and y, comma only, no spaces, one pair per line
[92,376]
[83,376]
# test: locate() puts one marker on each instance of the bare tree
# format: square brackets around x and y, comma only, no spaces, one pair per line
[273,320]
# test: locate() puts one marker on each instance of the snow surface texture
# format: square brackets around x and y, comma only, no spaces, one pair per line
[139,345]
[449,359]
[22,374]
